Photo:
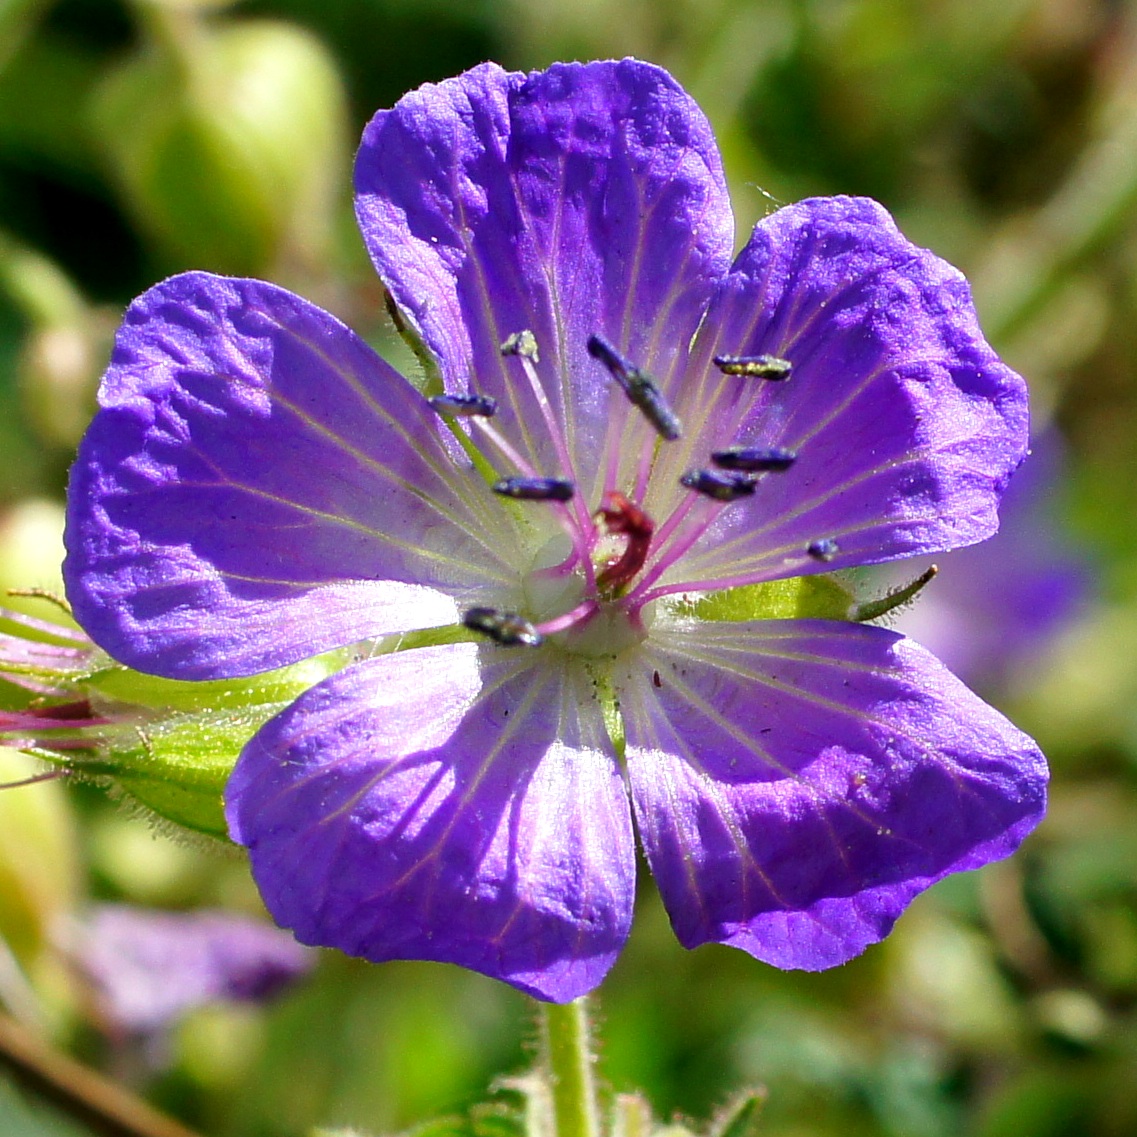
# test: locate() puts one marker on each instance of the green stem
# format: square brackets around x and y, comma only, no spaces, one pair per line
[567,1060]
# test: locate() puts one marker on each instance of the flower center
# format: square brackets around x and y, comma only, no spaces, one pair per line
[590,587]
[585,616]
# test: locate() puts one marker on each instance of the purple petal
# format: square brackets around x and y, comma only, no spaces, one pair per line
[455,804]
[905,423]
[585,199]
[150,968]
[259,486]
[797,783]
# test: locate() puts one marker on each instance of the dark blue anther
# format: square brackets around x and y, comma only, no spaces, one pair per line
[754,366]
[535,489]
[639,387]
[464,406]
[823,550]
[506,628]
[754,458]
[721,487]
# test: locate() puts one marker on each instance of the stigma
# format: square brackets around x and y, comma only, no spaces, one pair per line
[622,518]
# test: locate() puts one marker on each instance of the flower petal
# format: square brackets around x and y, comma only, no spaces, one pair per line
[905,423]
[259,486]
[455,804]
[585,199]
[797,783]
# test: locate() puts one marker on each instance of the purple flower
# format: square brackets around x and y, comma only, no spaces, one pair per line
[148,969]
[259,486]
[997,607]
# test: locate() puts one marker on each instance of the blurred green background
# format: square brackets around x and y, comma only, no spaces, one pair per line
[139,139]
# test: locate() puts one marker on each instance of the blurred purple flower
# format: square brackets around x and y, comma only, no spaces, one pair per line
[148,969]
[259,486]
[996,605]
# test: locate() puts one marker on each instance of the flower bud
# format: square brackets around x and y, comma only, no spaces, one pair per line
[227,141]
[169,746]
[65,346]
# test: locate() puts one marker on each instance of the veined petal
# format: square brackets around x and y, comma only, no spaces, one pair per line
[259,486]
[585,199]
[458,803]
[905,424]
[797,783]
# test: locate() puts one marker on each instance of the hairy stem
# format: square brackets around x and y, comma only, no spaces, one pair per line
[567,1061]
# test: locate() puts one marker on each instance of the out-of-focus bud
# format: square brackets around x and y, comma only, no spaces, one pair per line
[39,869]
[227,140]
[66,345]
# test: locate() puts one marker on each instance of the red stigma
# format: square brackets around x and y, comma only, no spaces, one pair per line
[619,515]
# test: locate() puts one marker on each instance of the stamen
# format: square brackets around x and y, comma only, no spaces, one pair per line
[753,458]
[720,487]
[535,489]
[464,406]
[754,366]
[824,549]
[578,615]
[639,387]
[621,516]
[522,343]
[506,628]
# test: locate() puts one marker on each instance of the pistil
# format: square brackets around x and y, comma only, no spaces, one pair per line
[621,516]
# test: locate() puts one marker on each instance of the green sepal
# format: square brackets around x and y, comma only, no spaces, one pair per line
[817,597]
[122,685]
[897,598]
[178,766]
[171,745]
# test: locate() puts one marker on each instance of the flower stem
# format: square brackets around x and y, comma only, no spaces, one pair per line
[567,1060]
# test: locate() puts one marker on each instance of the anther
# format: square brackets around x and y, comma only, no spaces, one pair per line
[535,489]
[754,459]
[721,487]
[464,406]
[522,343]
[754,366]
[639,387]
[823,550]
[506,628]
